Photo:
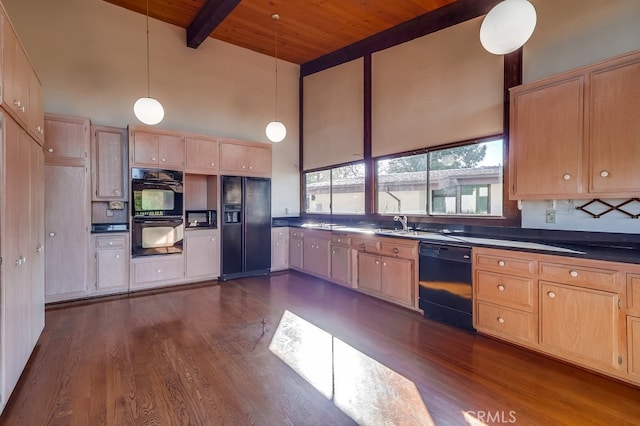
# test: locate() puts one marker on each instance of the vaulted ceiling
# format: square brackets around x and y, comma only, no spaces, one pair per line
[307,29]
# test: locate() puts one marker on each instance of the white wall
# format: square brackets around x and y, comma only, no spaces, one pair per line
[91,58]
[571,34]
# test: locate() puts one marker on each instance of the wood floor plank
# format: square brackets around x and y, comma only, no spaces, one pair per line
[198,356]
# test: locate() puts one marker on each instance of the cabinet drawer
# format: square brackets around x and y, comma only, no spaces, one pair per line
[162,270]
[596,278]
[110,242]
[280,233]
[506,263]
[341,240]
[505,290]
[633,293]
[507,323]
[397,250]
[295,233]
[365,244]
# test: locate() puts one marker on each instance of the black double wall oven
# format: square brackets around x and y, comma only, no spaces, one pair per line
[157,205]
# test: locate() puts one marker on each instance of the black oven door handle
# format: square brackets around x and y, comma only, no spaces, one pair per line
[158,221]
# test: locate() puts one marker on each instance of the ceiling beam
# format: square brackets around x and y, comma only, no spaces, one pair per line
[210,16]
[446,16]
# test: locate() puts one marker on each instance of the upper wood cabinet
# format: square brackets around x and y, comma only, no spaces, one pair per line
[108,164]
[65,139]
[244,158]
[154,149]
[202,155]
[575,135]
[21,88]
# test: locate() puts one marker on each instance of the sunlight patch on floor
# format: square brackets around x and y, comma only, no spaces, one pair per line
[365,390]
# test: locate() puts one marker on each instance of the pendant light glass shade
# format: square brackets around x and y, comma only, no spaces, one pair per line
[149,111]
[276,132]
[508,26]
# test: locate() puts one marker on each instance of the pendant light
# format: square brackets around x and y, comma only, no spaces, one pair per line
[276,131]
[508,26]
[148,110]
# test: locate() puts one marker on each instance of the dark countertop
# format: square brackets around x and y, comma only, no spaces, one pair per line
[615,247]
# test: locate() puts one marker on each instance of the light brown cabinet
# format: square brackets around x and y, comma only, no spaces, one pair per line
[110,263]
[109,164]
[202,155]
[633,341]
[15,75]
[67,208]
[36,107]
[316,249]
[202,253]
[574,135]
[244,158]
[155,149]
[295,249]
[387,268]
[342,269]
[279,248]
[156,271]
[580,324]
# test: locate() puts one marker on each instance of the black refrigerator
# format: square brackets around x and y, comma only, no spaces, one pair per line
[246,226]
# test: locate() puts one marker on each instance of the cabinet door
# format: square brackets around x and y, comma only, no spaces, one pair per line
[614,140]
[67,138]
[369,272]
[259,160]
[279,249]
[633,340]
[396,278]
[145,148]
[108,164]
[151,273]
[295,253]
[202,156]
[112,272]
[36,107]
[171,151]
[15,75]
[233,157]
[316,256]
[580,324]
[341,265]
[65,232]
[202,254]
[36,245]
[546,141]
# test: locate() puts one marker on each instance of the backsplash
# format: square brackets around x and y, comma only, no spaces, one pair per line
[567,217]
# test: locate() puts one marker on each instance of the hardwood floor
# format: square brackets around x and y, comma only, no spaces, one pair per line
[198,356]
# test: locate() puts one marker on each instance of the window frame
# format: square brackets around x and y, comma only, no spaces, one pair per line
[330,169]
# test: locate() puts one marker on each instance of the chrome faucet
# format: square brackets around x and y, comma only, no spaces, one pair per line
[403,221]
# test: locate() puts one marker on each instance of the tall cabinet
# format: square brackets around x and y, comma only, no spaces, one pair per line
[67,204]
[21,210]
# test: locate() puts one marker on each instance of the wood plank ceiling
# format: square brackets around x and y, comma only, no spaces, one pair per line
[307,29]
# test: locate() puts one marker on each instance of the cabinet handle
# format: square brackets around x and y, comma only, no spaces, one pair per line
[116,192]
[153,158]
[213,240]
[117,256]
[501,320]
[23,260]
[377,262]
[250,167]
[52,234]
[363,246]
[212,164]
[39,248]
[395,250]
[333,251]
[158,270]
[50,150]
[38,129]
[501,263]
[574,274]
[551,294]
[566,176]
[384,263]
[339,240]
[17,103]
[18,262]
[110,243]
[163,160]
[501,287]
[604,173]
[21,109]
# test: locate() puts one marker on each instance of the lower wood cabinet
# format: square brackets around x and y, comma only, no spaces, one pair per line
[279,248]
[388,277]
[633,342]
[369,273]
[202,254]
[316,253]
[295,249]
[110,267]
[156,271]
[341,266]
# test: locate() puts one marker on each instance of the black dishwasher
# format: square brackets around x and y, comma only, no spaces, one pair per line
[445,283]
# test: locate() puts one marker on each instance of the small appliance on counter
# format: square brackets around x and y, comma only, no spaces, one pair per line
[201,219]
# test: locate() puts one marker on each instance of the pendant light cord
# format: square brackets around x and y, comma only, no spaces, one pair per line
[148,73]
[276,17]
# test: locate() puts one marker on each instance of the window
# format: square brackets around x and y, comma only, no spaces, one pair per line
[339,190]
[464,180]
